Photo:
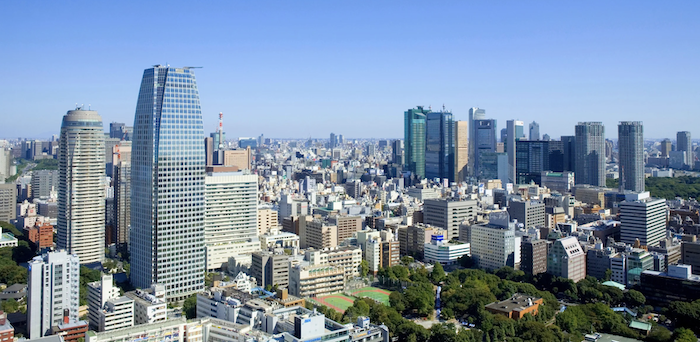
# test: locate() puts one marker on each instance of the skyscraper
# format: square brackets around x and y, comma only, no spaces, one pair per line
[590,153]
[414,140]
[513,134]
[397,152]
[642,218]
[81,190]
[461,150]
[167,174]
[474,114]
[534,131]
[440,146]
[666,148]
[631,148]
[683,143]
[484,141]
[333,141]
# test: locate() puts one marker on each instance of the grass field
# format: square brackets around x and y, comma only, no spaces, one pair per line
[338,302]
[377,294]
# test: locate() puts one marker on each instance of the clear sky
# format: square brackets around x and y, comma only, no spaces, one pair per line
[303,68]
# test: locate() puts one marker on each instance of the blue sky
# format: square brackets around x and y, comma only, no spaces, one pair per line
[307,68]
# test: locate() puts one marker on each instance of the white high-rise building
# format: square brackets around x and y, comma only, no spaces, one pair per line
[167,184]
[231,220]
[643,218]
[53,297]
[81,190]
[493,243]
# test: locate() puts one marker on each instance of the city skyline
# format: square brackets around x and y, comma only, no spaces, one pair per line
[550,63]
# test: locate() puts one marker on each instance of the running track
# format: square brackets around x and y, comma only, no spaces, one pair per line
[376,290]
[324,302]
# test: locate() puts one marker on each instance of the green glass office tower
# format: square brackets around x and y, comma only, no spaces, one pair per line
[414,140]
[167,191]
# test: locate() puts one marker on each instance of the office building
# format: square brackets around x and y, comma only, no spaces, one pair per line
[81,190]
[514,131]
[7,165]
[666,148]
[678,284]
[532,158]
[267,220]
[461,150]
[44,182]
[412,239]
[317,234]
[484,142]
[631,155]
[474,114]
[349,258]
[493,243]
[276,238]
[316,280]
[231,216]
[167,209]
[53,285]
[150,305]
[8,201]
[590,153]
[566,259]
[106,309]
[414,140]
[530,213]
[446,253]
[397,152]
[270,268]
[448,214]
[562,182]
[347,225]
[292,206]
[533,256]
[599,260]
[684,143]
[642,218]
[122,203]
[690,255]
[440,146]
[120,130]
[534,131]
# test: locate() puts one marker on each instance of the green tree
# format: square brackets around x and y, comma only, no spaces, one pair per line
[634,298]
[397,301]
[189,308]
[407,260]
[684,335]
[466,261]
[438,273]
[364,268]
[659,333]
[420,298]
[10,306]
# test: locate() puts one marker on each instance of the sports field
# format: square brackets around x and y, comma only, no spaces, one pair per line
[377,294]
[338,302]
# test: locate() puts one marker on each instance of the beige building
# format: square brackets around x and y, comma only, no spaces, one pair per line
[591,195]
[316,280]
[412,239]
[267,219]
[461,150]
[347,226]
[240,158]
[317,234]
[349,258]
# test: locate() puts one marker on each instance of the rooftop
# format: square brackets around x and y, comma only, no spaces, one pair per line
[516,303]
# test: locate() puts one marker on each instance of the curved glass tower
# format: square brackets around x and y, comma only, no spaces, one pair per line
[167,174]
[81,192]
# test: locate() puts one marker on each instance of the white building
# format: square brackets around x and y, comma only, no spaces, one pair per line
[276,238]
[52,292]
[213,304]
[444,252]
[566,259]
[81,190]
[642,218]
[7,240]
[150,305]
[106,309]
[231,216]
[493,243]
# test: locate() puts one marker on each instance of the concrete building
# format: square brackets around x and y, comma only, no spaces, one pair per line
[642,218]
[390,253]
[8,200]
[267,220]
[533,256]
[690,255]
[44,182]
[631,155]
[106,309]
[122,203]
[41,234]
[167,236]
[678,284]
[347,226]
[317,234]
[81,191]
[567,259]
[270,268]
[316,280]
[292,206]
[150,304]
[493,243]
[516,307]
[529,213]
[231,216]
[590,153]
[444,252]
[277,238]
[53,284]
[412,239]
[7,331]
[558,181]
[685,144]
[349,258]
[665,148]
[448,214]
[240,158]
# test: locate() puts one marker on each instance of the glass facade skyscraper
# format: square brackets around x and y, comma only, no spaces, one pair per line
[631,148]
[167,174]
[590,153]
[684,143]
[414,140]
[440,146]
[484,143]
[81,191]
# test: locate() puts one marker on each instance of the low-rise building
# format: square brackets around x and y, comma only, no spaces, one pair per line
[444,252]
[318,280]
[662,288]
[150,305]
[349,258]
[106,309]
[270,268]
[275,238]
[516,307]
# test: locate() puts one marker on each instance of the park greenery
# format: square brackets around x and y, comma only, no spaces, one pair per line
[666,187]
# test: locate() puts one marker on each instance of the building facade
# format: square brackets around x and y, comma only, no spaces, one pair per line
[590,153]
[685,144]
[567,259]
[440,146]
[448,214]
[168,189]
[81,190]
[642,218]
[414,140]
[631,151]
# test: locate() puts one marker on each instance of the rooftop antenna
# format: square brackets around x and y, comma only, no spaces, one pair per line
[221,130]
